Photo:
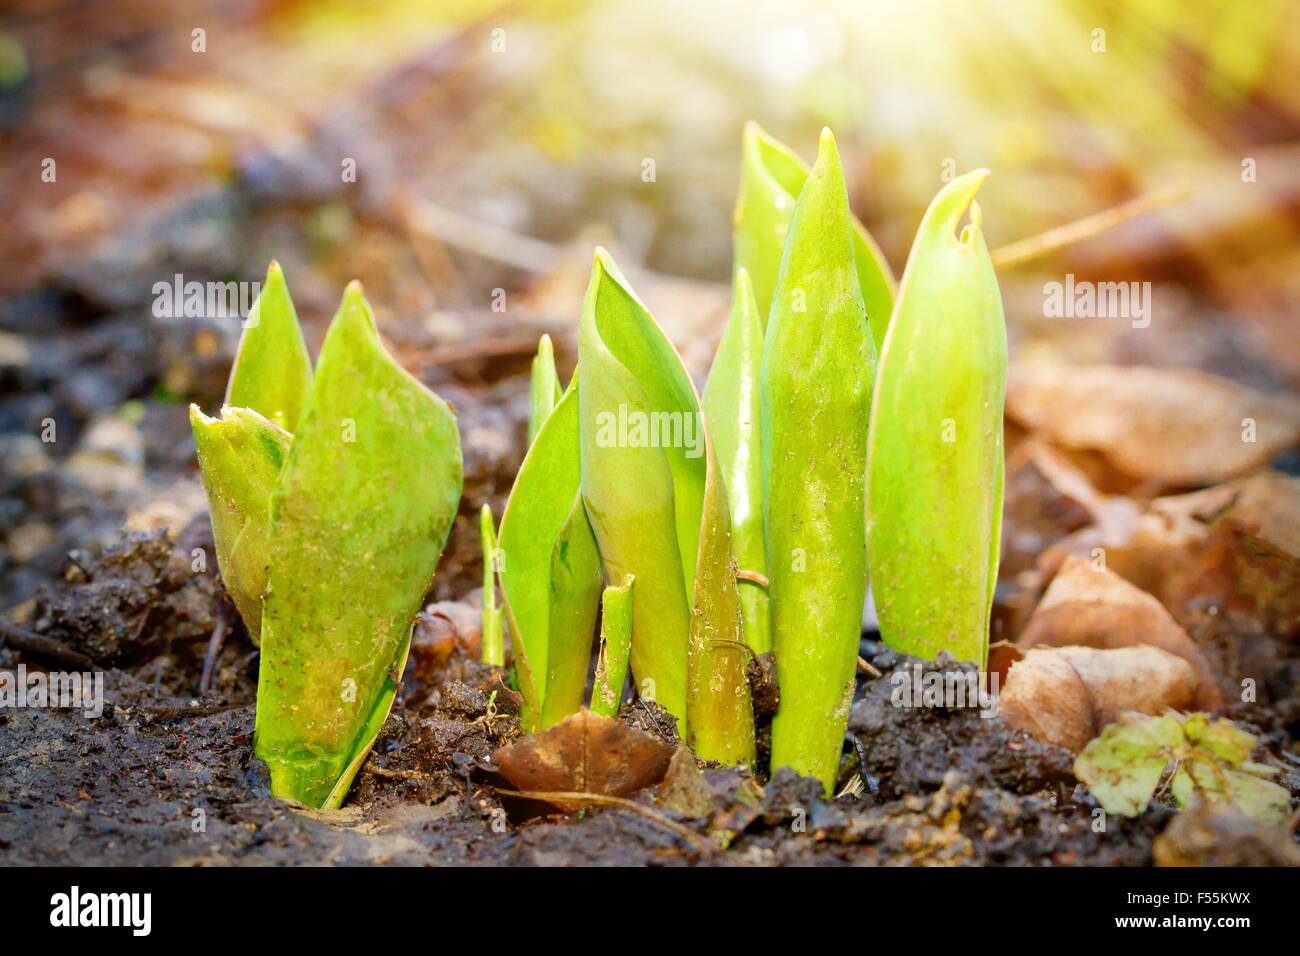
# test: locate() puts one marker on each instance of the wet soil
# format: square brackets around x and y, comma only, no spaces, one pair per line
[167,777]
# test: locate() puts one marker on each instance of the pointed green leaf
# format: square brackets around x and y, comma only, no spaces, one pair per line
[544,387]
[358,522]
[656,501]
[615,647]
[639,517]
[935,483]
[550,571]
[815,386]
[731,408]
[272,371]
[771,176]
[240,457]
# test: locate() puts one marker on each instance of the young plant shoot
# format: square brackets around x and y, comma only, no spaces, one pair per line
[615,647]
[771,176]
[655,495]
[241,455]
[731,407]
[272,370]
[358,512]
[550,571]
[544,387]
[494,641]
[935,483]
[815,392]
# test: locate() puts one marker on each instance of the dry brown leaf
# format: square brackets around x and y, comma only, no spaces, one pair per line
[439,630]
[1066,695]
[1094,607]
[585,753]
[1144,679]
[1179,426]
[1045,696]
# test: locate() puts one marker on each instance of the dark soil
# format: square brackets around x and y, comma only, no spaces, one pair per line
[165,778]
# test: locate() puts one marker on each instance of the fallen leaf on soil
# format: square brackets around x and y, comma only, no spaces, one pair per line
[585,753]
[1094,607]
[1175,425]
[684,789]
[1208,760]
[1065,695]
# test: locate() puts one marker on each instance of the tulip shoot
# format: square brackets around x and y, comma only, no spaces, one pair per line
[494,644]
[815,388]
[655,495]
[615,647]
[731,407]
[550,571]
[771,177]
[327,538]
[544,387]
[935,483]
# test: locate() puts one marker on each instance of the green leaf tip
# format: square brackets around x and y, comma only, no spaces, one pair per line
[771,178]
[936,446]
[359,517]
[544,386]
[272,371]
[240,457]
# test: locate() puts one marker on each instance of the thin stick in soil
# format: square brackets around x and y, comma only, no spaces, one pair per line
[38,645]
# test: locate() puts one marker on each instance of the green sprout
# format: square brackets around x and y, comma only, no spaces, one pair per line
[771,178]
[327,537]
[731,407]
[494,642]
[743,516]
[544,387]
[935,485]
[654,492]
[1198,758]
[550,571]
[815,387]
[615,647]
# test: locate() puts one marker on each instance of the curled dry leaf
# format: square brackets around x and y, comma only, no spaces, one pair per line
[1065,695]
[1093,607]
[585,753]
[1174,425]
[442,627]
